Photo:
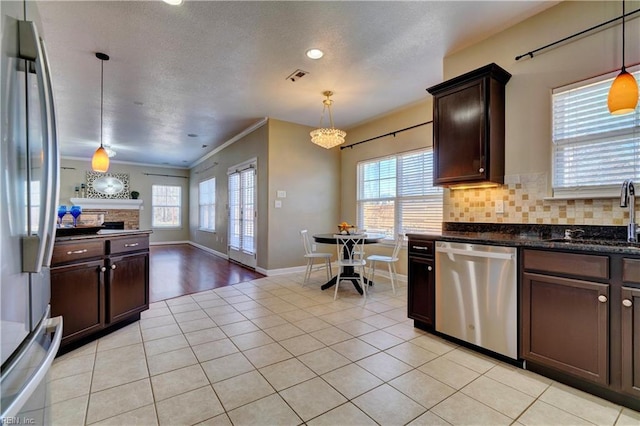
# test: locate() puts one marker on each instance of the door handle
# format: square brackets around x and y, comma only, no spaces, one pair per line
[627,303]
[113,266]
[602,298]
[469,253]
[132,245]
[77,251]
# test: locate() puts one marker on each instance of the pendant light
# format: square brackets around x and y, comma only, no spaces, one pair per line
[327,137]
[100,160]
[623,94]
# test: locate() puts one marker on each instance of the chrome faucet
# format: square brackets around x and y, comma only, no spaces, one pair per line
[627,199]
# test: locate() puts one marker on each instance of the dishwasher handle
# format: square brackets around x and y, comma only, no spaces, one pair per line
[471,253]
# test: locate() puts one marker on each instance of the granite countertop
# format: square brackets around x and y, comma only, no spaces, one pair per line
[103,233]
[597,239]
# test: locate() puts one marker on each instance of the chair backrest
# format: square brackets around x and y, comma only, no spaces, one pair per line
[305,241]
[398,246]
[348,245]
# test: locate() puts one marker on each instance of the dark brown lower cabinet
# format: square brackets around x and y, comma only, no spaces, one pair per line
[421,298]
[421,281]
[631,341]
[566,325]
[77,293]
[128,286]
[94,288]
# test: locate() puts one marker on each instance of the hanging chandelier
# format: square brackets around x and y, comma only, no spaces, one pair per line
[100,160]
[327,137]
[623,94]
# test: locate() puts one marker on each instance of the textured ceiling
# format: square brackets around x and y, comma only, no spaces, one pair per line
[215,68]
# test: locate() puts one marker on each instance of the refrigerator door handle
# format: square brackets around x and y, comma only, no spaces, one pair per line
[54,157]
[34,246]
[13,406]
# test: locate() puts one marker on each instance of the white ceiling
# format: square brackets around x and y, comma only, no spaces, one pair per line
[215,68]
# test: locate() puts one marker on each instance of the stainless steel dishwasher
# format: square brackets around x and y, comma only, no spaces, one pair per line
[476,295]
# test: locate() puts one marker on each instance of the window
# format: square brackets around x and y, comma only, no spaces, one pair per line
[166,203]
[593,150]
[207,203]
[396,194]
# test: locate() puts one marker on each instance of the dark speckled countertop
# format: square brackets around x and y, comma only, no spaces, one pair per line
[600,239]
[104,233]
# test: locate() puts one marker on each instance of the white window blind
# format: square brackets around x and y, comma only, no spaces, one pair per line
[166,201]
[396,194]
[207,204]
[592,149]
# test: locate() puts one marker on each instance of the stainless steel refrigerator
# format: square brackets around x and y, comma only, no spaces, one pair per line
[29,170]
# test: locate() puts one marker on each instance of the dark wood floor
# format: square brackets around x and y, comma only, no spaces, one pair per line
[180,269]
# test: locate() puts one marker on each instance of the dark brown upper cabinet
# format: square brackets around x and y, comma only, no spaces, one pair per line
[468,127]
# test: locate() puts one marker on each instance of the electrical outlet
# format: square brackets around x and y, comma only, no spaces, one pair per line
[314,247]
[500,207]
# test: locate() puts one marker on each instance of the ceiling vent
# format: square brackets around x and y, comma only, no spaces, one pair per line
[296,75]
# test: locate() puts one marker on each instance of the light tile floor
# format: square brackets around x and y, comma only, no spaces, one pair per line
[274,352]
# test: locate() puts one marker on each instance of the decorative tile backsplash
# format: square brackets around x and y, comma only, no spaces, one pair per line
[523,198]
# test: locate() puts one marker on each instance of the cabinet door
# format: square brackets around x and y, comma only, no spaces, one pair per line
[421,297]
[460,134]
[127,286]
[631,341]
[565,325]
[77,293]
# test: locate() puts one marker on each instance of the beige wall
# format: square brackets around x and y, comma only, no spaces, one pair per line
[310,175]
[73,173]
[528,109]
[420,137]
[252,145]
[287,161]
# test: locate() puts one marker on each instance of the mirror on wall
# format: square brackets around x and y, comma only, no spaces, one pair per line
[107,185]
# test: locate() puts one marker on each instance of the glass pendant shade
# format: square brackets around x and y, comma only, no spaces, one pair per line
[623,95]
[100,160]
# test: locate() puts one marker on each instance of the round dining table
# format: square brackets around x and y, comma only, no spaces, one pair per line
[348,273]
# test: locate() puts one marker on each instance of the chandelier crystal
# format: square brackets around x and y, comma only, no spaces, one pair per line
[327,137]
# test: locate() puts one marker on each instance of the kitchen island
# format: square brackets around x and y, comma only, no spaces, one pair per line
[578,299]
[99,282]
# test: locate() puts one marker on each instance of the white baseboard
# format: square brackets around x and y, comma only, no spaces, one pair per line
[209,250]
[281,271]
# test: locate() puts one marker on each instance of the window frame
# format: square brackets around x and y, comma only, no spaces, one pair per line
[210,205]
[399,201]
[154,206]
[608,189]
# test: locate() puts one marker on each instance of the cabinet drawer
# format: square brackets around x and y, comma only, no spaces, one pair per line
[631,271]
[77,250]
[583,265]
[421,248]
[129,244]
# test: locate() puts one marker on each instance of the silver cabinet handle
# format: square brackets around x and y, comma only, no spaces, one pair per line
[77,251]
[419,248]
[113,266]
[132,245]
[602,298]
[429,268]
[103,269]
[481,170]
[627,303]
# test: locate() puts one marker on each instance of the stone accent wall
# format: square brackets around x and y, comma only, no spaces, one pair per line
[523,197]
[89,217]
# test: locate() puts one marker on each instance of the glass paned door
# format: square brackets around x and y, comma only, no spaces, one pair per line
[242,215]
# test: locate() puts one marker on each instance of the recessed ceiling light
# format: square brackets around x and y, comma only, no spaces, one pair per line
[204,146]
[315,53]
[138,103]
[192,135]
[174,2]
